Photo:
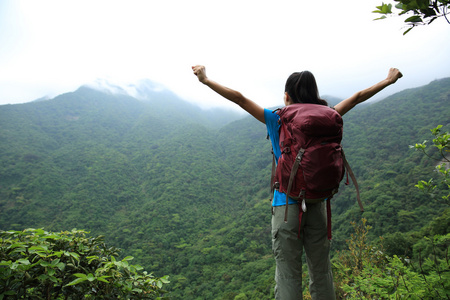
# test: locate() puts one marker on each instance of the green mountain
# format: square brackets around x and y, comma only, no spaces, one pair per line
[186,192]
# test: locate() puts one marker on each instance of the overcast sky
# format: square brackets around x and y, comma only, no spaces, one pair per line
[49,47]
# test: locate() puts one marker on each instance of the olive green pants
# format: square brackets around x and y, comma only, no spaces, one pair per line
[288,247]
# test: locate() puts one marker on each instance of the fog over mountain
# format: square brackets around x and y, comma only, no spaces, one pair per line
[140,89]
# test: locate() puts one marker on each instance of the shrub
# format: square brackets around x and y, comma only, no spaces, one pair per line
[36,264]
[365,272]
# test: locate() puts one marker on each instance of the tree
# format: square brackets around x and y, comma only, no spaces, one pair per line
[423,11]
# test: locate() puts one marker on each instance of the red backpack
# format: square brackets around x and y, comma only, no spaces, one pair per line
[312,163]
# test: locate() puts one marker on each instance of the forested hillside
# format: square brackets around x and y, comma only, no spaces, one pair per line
[377,141]
[186,191]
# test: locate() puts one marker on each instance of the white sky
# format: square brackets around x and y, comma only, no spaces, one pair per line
[49,47]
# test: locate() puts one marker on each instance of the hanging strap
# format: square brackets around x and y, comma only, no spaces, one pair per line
[294,170]
[329,217]
[300,215]
[272,177]
[352,176]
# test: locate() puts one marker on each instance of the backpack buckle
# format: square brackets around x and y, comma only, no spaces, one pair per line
[304,205]
[300,155]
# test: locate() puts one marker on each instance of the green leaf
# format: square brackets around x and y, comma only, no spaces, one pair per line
[92,258]
[420,146]
[58,254]
[44,263]
[128,258]
[14,266]
[380,18]
[42,277]
[16,246]
[52,236]
[75,255]
[90,277]
[61,266]
[407,30]
[38,231]
[23,261]
[38,248]
[159,284]
[413,19]
[436,130]
[384,9]
[138,267]
[102,278]
[76,281]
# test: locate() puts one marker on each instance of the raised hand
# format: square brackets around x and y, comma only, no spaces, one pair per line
[200,72]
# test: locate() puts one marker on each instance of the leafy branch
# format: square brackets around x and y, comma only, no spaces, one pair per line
[424,12]
[441,142]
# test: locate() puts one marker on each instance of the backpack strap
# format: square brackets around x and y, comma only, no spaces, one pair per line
[300,216]
[294,170]
[329,217]
[272,177]
[352,176]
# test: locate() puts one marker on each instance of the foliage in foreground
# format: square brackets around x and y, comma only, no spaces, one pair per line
[35,264]
[364,271]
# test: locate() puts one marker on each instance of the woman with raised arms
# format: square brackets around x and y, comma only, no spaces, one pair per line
[287,244]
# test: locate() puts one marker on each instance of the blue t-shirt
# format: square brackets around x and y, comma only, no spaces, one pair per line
[273,129]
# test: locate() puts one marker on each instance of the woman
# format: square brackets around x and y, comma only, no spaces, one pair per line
[287,244]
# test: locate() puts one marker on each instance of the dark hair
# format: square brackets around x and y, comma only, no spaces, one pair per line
[302,88]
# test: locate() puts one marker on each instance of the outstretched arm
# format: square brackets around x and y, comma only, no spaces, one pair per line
[234,96]
[344,106]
